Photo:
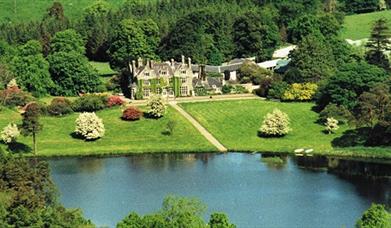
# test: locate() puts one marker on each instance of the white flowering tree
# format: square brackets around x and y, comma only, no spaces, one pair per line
[89,126]
[10,133]
[331,125]
[275,124]
[157,108]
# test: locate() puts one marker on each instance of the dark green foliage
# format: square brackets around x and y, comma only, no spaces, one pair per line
[89,103]
[176,212]
[220,220]
[30,122]
[379,42]
[227,88]
[349,83]
[360,6]
[72,74]
[59,107]
[313,59]
[376,216]
[255,34]
[250,72]
[339,113]
[32,70]
[67,41]
[28,197]
[277,89]
[132,40]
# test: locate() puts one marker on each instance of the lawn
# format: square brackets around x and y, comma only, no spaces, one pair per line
[26,10]
[121,137]
[235,125]
[103,68]
[359,26]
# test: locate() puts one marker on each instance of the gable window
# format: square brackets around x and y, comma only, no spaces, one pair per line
[146,74]
[164,72]
[146,92]
[183,72]
[183,80]
[183,90]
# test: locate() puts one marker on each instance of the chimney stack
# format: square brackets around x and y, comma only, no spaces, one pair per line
[140,62]
[148,63]
[183,59]
[189,62]
[152,63]
[172,62]
[133,70]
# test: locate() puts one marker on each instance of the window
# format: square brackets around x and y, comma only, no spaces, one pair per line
[171,80]
[163,72]
[146,92]
[183,90]
[159,90]
[170,92]
[147,82]
[183,72]
[146,74]
[183,80]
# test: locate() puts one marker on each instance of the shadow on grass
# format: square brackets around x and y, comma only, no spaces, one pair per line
[77,136]
[350,138]
[17,147]
[146,115]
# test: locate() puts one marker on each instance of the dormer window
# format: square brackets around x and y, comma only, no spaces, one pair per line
[163,73]
[146,74]
[183,72]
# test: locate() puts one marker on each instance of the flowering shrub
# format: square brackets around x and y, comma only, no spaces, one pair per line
[331,125]
[60,106]
[13,96]
[275,124]
[157,108]
[89,126]
[10,133]
[12,83]
[131,113]
[300,92]
[114,101]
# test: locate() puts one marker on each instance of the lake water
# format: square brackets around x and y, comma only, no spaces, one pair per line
[251,192]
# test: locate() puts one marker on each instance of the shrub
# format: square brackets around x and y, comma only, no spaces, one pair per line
[275,124]
[13,96]
[238,89]
[170,127]
[277,89]
[60,106]
[331,125]
[89,126]
[114,101]
[300,92]
[226,89]
[375,217]
[340,113]
[89,103]
[131,113]
[10,133]
[157,108]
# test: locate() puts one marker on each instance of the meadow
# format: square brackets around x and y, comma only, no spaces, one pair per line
[121,137]
[359,26]
[235,124]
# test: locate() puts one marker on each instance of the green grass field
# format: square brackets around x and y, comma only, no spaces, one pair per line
[235,125]
[27,10]
[103,68]
[121,137]
[359,26]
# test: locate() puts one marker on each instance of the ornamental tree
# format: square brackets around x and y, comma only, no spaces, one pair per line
[375,216]
[131,114]
[157,108]
[331,125]
[275,124]
[89,126]
[9,133]
[30,122]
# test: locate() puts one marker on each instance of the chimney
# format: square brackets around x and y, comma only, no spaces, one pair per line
[133,70]
[140,62]
[189,62]
[152,62]
[172,62]
[183,59]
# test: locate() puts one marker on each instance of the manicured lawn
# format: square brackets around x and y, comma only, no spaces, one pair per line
[235,125]
[121,137]
[359,26]
[103,68]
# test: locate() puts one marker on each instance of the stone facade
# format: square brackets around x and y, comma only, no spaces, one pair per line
[168,79]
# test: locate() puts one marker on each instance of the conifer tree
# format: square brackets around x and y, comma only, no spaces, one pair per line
[379,42]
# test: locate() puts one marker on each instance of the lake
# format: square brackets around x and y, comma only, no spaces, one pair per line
[252,192]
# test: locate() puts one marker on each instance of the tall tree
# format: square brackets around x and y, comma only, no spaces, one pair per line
[379,42]
[30,122]
[32,70]
[67,41]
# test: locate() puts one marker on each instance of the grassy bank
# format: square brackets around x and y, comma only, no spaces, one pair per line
[103,68]
[235,125]
[359,26]
[121,137]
